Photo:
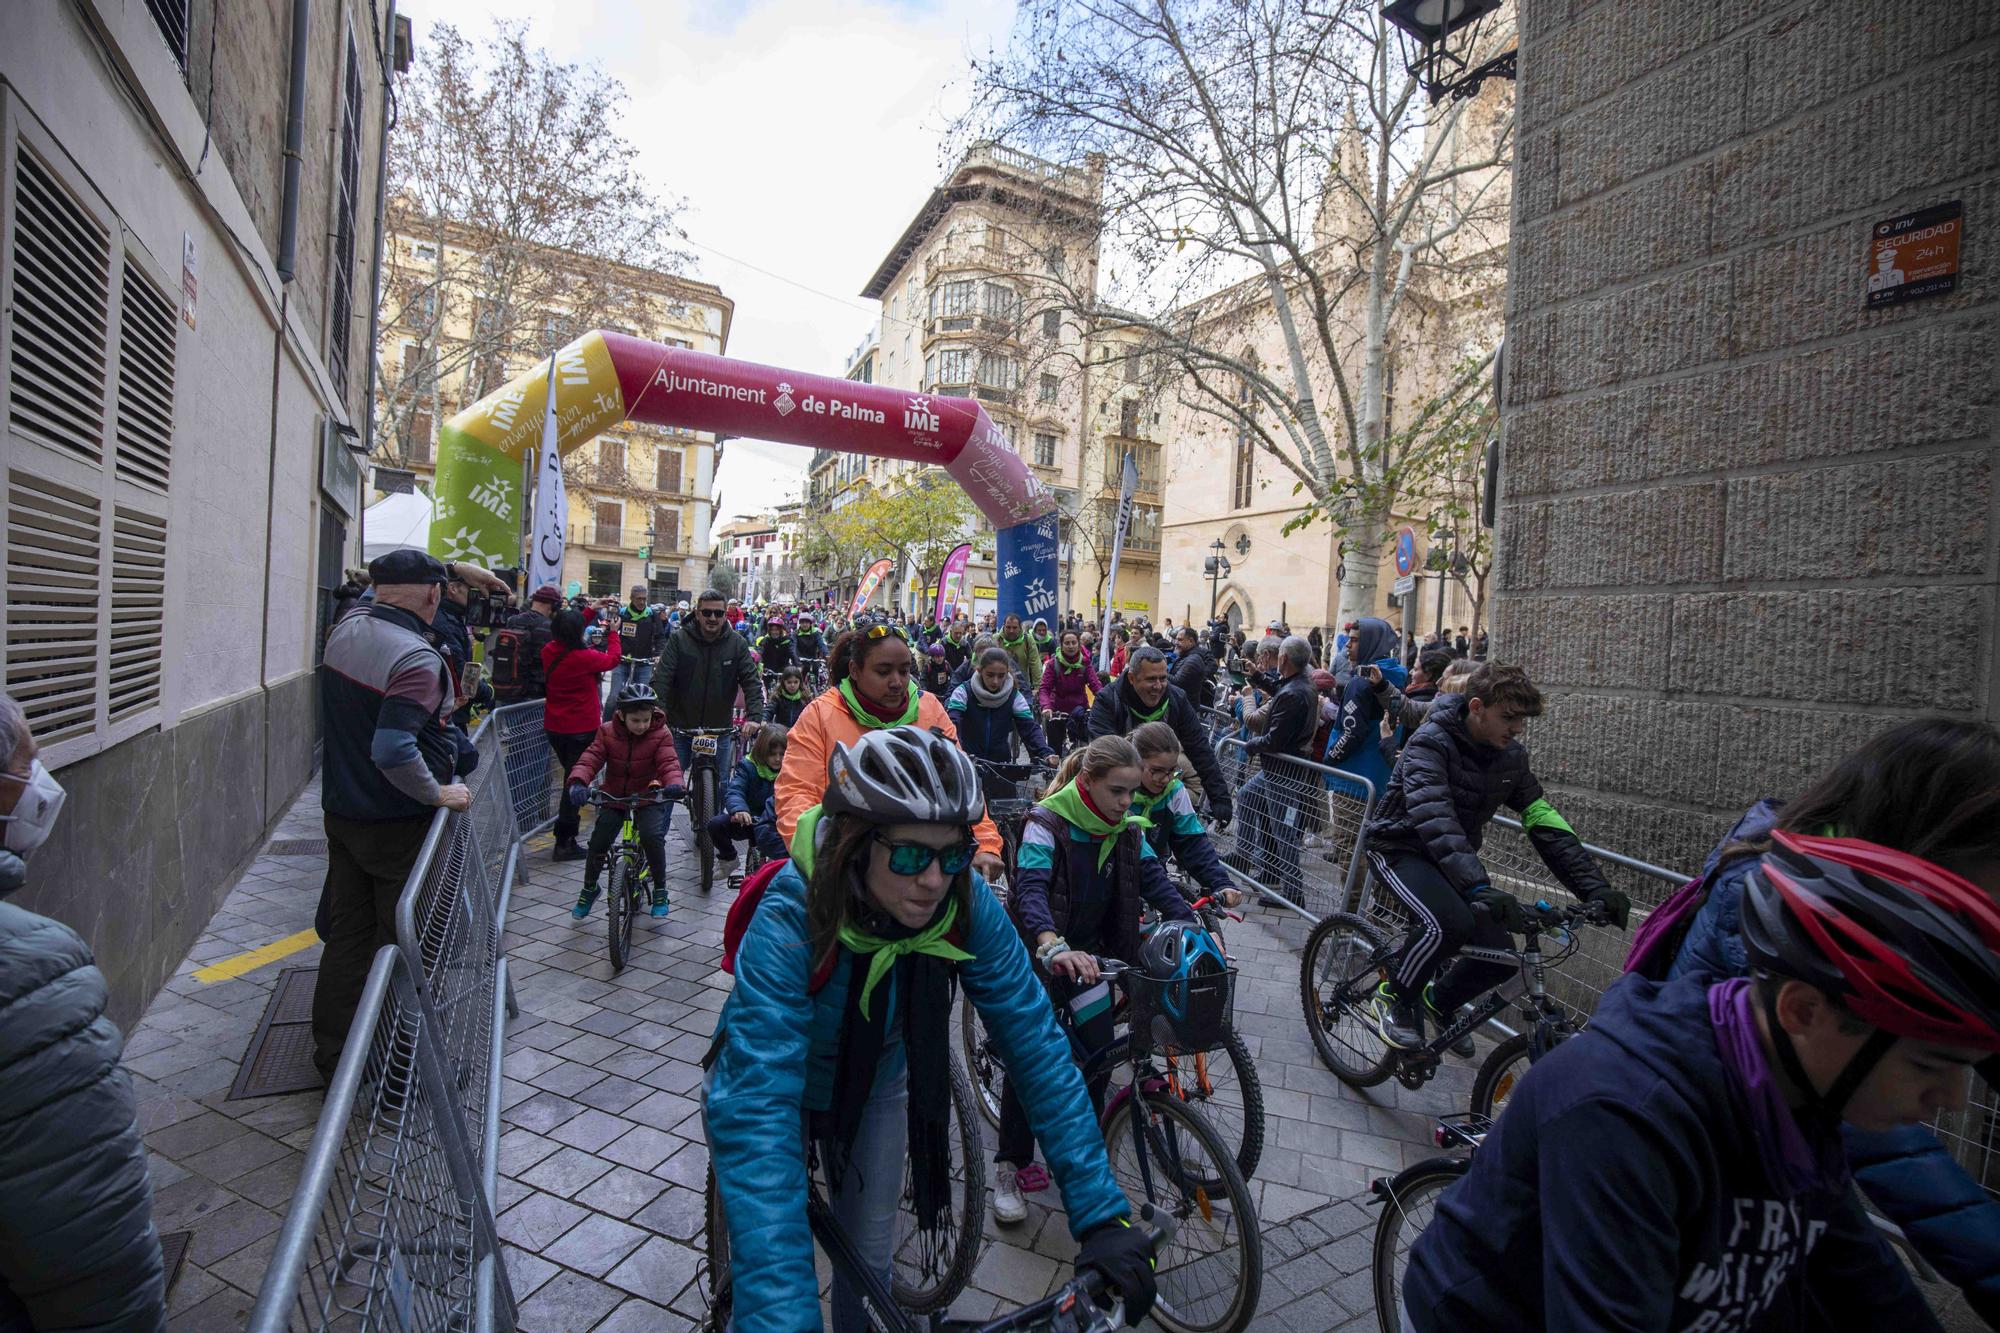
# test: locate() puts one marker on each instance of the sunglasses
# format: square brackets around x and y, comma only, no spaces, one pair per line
[913,858]
[876,631]
[712,615]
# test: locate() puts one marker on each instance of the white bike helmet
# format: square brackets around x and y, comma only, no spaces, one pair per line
[903,775]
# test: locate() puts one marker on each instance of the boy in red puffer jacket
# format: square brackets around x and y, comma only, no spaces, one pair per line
[635,753]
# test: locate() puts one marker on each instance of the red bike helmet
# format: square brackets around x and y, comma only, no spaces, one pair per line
[1903,944]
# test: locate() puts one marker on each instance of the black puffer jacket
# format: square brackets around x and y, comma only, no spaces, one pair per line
[1194,674]
[1445,789]
[1111,715]
[77,1244]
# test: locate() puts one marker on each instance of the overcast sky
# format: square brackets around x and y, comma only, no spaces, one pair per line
[804,134]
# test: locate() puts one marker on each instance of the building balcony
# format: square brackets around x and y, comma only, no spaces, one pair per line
[999,157]
[951,259]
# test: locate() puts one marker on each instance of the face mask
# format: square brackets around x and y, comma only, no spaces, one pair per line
[35,813]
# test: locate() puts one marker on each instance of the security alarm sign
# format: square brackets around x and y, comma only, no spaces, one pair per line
[1914,255]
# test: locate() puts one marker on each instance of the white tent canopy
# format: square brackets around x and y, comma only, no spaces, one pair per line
[396,520]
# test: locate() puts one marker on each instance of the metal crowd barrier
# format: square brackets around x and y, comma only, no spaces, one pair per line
[391,1225]
[1297,836]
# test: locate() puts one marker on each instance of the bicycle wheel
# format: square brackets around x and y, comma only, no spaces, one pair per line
[715,1227]
[1408,1203]
[982,1059]
[1346,958]
[1210,1274]
[702,809]
[932,1266]
[1499,1076]
[618,893]
[1223,1083]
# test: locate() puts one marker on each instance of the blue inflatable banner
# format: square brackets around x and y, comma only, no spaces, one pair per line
[1026,555]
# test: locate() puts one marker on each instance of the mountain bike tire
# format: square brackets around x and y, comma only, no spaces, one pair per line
[702,800]
[985,1070]
[1409,1200]
[715,1229]
[1499,1076]
[1210,1274]
[932,1269]
[1224,1084]
[1343,963]
[620,901]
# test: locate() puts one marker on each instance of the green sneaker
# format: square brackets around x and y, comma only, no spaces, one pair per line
[585,900]
[1397,1020]
[1462,1048]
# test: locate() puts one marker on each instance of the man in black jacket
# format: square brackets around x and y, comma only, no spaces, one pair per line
[1194,672]
[530,632]
[1423,843]
[638,627]
[1274,801]
[1142,694]
[702,667]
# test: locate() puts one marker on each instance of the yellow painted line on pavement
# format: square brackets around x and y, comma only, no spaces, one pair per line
[230,968]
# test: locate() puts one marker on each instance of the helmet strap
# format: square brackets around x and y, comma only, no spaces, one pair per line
[1834,1100]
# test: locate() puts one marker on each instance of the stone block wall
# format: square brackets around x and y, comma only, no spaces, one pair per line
[1745,521]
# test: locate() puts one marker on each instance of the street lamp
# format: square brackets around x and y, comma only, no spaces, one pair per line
[1216,567]
[1445,34]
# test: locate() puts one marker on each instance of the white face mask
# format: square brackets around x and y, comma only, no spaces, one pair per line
[35,812]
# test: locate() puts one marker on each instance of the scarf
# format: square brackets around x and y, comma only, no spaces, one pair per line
[1144,802]
[1074,806]
[999,698]
[1067,663]
[1132,703]
[767,774]
[871,720]
[792,696]
[1789,1160]
[883,953]
[1018,639]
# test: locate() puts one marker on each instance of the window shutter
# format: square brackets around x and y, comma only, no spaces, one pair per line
[54,540]
[62,264]
[138,611]
[147,320]
[667,529]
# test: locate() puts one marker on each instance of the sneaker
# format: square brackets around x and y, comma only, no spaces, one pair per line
[568,851]
[585,901]
[1009,1207]
[659,903]
[1462,1048]
[1396,1020]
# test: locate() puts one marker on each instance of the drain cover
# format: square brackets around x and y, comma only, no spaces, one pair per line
[296,847]
[173,1253]
[280,1056]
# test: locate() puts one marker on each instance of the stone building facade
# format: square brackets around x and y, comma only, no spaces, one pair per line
[1747,520]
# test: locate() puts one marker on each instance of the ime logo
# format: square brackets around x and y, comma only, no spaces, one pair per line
[918,416]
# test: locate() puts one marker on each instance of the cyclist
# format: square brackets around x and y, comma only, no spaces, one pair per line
[1083,868]
[1677,1165]
[1163,800]
[807,644]
[635,753]
[748,814]
[1930,787]
[1069,681]
[1020,647]
[775,645]
[702,669]
[936,672]
[790,699]
[1423,843]
[989,711]
[838,1024]
[1143,694]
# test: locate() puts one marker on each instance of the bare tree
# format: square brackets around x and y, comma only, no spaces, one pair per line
[1446,486]
[1266,162]
[516,216]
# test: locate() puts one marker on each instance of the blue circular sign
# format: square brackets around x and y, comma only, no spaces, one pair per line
[1406,550]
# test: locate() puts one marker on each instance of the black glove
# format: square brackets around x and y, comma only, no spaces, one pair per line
[1122,1254]
[673,793]
[1503,907]
[1617,906]
[579,793]
[1221,811]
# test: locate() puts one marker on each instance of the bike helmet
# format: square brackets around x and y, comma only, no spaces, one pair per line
[935,650]
[634,697]
[1902,944]
[1177,950]
[903,775]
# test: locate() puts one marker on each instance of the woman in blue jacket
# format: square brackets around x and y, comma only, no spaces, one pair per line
[1930,787]
[838,1031]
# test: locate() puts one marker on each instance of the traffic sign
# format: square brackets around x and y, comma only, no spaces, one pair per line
[1406,550]
[1405,585]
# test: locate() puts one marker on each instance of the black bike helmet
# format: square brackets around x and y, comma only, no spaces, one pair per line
[903,775]
[635,697]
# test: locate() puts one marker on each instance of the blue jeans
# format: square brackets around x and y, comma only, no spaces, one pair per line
[871,1193]
[1268,833]
[725,754]
[629,671]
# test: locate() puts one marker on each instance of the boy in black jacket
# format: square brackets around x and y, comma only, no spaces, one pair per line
[1423,843]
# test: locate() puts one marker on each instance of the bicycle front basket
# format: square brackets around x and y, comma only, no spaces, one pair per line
[1193,1014]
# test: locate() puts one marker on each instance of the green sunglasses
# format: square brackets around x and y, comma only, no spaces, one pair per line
[913,858]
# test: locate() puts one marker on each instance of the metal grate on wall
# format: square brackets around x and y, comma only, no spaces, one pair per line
[138,612]
[171,17]
[54,541]
[147,324]
[61,316]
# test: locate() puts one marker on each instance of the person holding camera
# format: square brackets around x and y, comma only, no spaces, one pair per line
[573,663]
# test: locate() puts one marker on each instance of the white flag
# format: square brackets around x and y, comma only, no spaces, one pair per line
[1128,483]
[545,565]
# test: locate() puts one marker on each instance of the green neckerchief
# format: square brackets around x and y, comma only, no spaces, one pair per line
[884,953]
[1009,643]
[868,721]
[768,774]
[793,695]
[1067,801]
[1156,714]
[1145,803]
[1069,663]
[802,840]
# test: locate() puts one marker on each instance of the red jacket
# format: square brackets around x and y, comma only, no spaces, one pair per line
[631,763]
[571,674]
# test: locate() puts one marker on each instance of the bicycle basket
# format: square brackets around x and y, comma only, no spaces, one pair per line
[1191,1014]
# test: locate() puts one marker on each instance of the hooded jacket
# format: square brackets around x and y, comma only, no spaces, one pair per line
[1112,715]
[630,763]
[1355,745]
[1623,1189]
[987,727]
[1060,886]
[776,1047]
[569,678]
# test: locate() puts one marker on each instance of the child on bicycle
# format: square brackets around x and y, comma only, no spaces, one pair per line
[839,1025]
[1678,1164]
[1082,872]
[635,753]
[790,698]
[748,813]
[1176,828]
[1459,767]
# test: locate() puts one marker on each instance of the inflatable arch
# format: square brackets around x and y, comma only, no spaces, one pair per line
[605,377]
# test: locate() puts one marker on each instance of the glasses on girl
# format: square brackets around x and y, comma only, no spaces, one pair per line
[913,858]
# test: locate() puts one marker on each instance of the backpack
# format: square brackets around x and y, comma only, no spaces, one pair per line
[507,662]
[737,924]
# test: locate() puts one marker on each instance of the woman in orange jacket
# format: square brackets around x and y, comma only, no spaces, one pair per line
[870,669]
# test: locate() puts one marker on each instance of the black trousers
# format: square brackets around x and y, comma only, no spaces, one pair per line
[1017,1139]
[366,867]
[1444,924]
[569,748]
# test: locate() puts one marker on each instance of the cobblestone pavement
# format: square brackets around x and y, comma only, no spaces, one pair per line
[602,1158]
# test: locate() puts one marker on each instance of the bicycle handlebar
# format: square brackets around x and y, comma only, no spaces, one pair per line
[650,797]
[1011,772]
[1089,1284]
[1543,916]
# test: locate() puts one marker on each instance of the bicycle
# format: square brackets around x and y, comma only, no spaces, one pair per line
[1409,1201]
[704,792]
[815,675]
[1007,812]
[628,886]
[1084,1304]
[1229,1086]
[1346,957]
[1164,1151]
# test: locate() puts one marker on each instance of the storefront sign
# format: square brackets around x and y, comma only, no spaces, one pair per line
[1914,255]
